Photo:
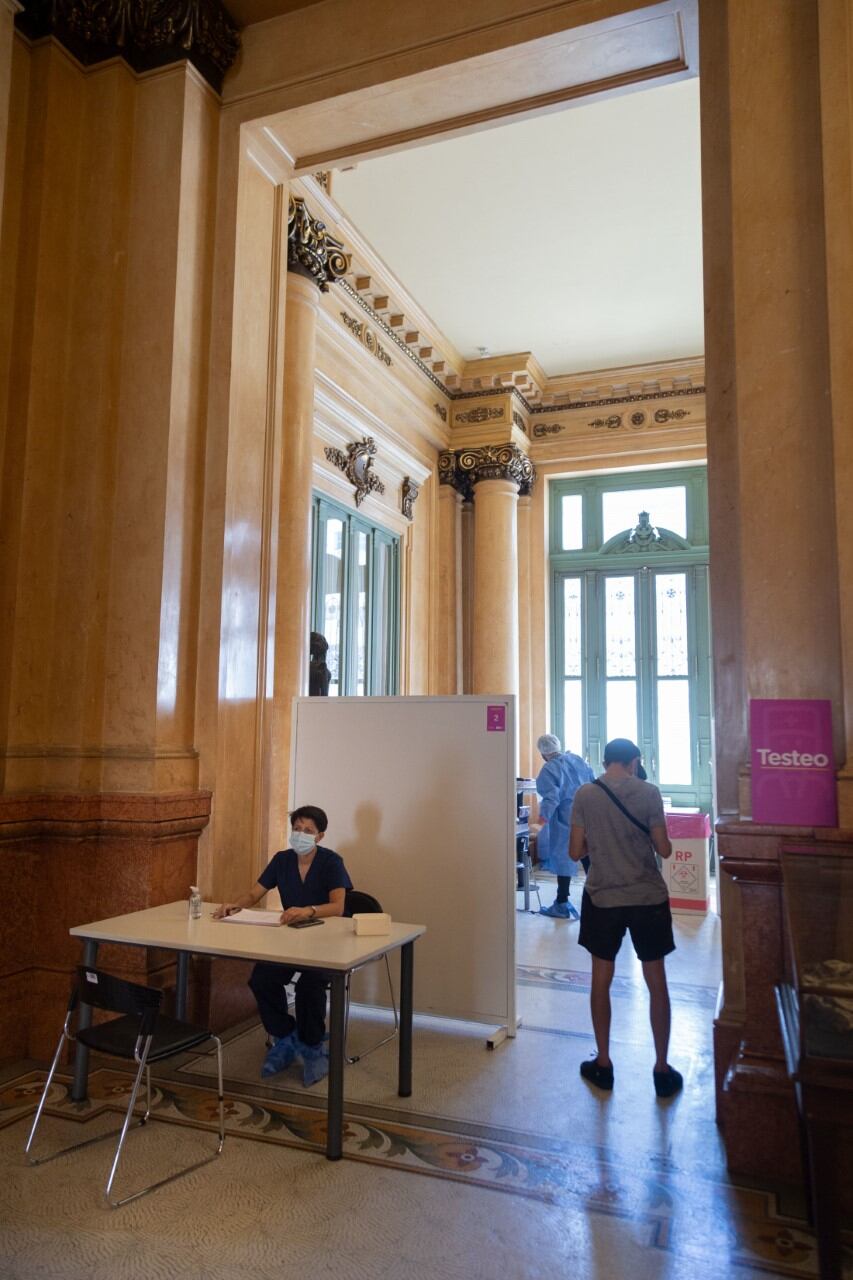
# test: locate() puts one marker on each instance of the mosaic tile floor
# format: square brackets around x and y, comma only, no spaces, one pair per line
[514,1166]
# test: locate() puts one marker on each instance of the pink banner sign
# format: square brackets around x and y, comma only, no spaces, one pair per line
[793,765]
[496,719]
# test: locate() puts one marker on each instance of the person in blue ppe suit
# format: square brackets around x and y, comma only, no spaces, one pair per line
[559,778]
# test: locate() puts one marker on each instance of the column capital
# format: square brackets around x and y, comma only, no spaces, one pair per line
[311,251]
[145,35]
[465,468]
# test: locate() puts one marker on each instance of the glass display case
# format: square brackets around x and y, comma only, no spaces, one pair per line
[815,1007]
[819,908]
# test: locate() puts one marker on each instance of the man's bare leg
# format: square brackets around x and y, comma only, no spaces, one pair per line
[599,1004]
[660,1016]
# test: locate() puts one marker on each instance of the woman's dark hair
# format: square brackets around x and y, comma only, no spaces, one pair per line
[621,751]
[319,645]
[313,814]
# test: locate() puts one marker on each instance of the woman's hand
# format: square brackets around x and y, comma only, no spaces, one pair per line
[297,913]
[227,909]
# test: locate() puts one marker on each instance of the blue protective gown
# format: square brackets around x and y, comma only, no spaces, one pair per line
[556,785]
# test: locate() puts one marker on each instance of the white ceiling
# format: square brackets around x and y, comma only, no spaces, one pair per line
[575,235]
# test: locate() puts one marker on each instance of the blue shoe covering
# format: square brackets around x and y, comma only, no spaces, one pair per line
[280,1056]
[315,1062]
[560,911]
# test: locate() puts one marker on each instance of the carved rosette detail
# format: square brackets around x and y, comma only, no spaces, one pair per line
[146,35]
[357,466]
[411,489]
[311,251]
[465,468]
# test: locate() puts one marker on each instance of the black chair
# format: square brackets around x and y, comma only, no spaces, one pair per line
[358,903]
[142,1035]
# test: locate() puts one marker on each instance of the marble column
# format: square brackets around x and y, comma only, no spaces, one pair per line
[774,558]
[449,595]
[835,32]
[314,259]
[525,681]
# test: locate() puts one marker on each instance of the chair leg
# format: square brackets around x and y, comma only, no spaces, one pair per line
[379,1043]
[172,1177]
[75,1146]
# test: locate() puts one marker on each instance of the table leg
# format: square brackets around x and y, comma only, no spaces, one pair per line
[80,1084]
[335,1114]
[407,970]
[181,984]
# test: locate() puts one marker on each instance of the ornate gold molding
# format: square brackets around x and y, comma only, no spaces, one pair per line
[411,489]
[482,414]
[465,468]
[311,251]
[357,466]
[367,336]
[541,429]
[146,35]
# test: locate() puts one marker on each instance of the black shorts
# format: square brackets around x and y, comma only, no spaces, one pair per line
[603,928]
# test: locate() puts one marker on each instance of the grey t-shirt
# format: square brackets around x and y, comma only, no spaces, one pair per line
[623,869]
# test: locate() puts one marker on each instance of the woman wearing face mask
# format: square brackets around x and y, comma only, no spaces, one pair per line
[312,882]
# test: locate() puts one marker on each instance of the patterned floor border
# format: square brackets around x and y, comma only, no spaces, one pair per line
[695,1219]
[574,980]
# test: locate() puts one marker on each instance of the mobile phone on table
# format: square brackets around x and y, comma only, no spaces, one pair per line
[304,924]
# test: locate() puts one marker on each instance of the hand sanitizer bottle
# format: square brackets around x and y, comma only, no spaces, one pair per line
[195,902]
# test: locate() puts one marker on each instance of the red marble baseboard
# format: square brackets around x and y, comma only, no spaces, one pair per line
[66,859]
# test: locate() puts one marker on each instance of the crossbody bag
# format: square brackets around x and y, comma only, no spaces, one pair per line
[641,826]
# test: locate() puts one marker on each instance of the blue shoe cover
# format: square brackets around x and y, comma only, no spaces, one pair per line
[560,911]
[315,1062]
[280,1055]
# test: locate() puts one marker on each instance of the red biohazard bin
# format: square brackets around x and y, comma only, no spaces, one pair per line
[687,872]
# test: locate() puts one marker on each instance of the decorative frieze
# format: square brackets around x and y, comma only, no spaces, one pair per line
[409,497]
[145,35]
[482,414]
[611,423]
[465,468]
[518,421]
[357,466]
[441,411]
[671,415]
[311,251]
[367,336]
[541,429]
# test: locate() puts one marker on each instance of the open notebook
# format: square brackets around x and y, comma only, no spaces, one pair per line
[250,916]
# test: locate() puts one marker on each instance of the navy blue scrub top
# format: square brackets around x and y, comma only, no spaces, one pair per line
[327,872]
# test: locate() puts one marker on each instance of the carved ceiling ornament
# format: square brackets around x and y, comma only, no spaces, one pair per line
[146,35]
[464,468]
[644,538]
[357,466]
[480,415]
[411,489]
[311,251]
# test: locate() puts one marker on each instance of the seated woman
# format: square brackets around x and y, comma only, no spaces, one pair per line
[312,882]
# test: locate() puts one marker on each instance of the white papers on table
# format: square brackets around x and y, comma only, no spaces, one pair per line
[248,916]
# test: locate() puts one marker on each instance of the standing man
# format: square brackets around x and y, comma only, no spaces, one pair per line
[619,821]
[559,779]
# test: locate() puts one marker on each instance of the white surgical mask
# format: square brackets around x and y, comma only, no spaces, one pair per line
[302,842]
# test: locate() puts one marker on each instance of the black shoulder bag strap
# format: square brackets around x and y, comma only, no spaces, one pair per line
[641,826]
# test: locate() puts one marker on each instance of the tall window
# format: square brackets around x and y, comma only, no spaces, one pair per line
[630,624]
[356,600]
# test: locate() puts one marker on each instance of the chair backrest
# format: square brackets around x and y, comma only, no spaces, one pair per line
[358,903]
[117,995]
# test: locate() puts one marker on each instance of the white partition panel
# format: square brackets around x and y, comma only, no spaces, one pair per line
[420,794]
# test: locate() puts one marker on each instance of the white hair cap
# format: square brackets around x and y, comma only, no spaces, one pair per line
[548,745]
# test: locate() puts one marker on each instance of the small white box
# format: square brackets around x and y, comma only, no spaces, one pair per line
[372,922]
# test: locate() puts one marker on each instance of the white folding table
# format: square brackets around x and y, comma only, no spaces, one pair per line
[333,947]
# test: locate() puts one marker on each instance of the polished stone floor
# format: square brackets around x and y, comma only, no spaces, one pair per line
[502,1163]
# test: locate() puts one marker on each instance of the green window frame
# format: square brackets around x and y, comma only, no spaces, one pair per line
[355,599]
[595,577]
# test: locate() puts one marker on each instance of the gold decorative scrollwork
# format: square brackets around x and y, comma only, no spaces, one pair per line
[357,465]
[146,35]
[611,423]
[311,251]
[367,336]
[480,415]
[411,489]
[466,467]
[671,415]
[548,429]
